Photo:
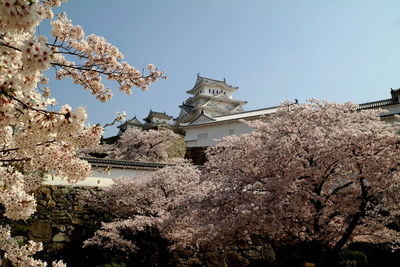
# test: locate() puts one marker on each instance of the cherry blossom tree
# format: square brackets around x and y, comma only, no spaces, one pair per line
[36,139]
[320,172]
[142,206]
[137,145]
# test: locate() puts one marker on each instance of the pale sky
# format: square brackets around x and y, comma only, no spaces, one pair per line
[274,50]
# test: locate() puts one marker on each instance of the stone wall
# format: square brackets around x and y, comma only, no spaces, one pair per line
[61,222]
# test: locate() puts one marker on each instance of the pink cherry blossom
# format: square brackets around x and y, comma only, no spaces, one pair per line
[316,172]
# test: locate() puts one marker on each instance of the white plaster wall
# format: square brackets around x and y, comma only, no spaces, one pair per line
[214,131]
[102,177]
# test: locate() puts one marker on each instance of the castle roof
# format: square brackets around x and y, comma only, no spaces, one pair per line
[203,80]
[186,107]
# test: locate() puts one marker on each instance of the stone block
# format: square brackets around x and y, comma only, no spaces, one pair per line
[40,231]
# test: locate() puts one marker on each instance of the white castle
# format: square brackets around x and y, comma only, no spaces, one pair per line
[211,113]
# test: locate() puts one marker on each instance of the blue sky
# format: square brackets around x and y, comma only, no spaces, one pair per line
[274,50]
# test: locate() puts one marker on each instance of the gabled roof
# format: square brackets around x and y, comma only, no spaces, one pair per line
[201,80]
[157,114]
[202,118]
[133,121]
[238,107]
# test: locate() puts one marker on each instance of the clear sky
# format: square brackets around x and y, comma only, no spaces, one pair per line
[274,50]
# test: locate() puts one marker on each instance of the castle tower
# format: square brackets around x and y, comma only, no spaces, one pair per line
[209,97]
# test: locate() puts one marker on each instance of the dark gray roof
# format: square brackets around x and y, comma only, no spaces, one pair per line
[379,103]
[130,163]
[133,121]
[187,108]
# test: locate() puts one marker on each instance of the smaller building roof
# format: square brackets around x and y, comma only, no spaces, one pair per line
[158,115]
[134,121]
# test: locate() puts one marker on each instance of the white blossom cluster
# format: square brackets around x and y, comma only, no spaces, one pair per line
[20,255]
[36,55]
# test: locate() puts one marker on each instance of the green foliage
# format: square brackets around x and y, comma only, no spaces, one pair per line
[177,148]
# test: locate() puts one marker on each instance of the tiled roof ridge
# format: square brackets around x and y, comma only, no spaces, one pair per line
[126,162]
[131,163]
[379,103]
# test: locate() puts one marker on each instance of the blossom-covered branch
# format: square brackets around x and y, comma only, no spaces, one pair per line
[36,139]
